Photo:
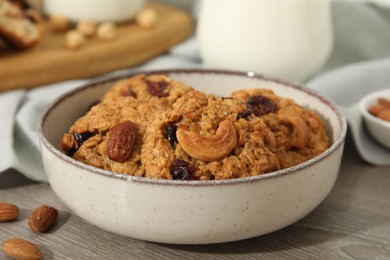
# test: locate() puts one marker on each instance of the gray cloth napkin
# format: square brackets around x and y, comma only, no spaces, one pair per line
[357,65]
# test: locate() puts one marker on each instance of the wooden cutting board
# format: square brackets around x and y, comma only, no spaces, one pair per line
[51,61]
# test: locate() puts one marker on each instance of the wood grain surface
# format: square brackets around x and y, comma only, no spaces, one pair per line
[352,223]
[51,61]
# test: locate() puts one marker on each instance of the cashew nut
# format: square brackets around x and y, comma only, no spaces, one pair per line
[209,148]
[301,130]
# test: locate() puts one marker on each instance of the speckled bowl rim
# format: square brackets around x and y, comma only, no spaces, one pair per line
[276,174]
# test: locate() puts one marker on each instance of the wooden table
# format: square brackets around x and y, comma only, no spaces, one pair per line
[352,223]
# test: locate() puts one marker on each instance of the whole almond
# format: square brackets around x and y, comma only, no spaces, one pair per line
[120,143]
[8,212]
[42,218]
[21,249]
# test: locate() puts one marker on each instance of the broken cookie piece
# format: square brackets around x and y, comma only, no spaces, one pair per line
[19,26]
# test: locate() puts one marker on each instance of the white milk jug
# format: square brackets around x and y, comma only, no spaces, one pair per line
[290,39]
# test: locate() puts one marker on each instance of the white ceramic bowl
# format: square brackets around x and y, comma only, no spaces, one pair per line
[378,128]
[96,10]
[191,212]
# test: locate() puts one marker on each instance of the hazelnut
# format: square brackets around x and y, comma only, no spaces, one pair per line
[86,27]
[106,31]
[74,39]
[147,18]
[59,22]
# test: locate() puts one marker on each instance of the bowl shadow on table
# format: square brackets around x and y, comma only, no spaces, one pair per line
[12,179]
[323,228]
[63,217]
[48,254]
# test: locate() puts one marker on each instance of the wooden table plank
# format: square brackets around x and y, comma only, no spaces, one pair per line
[352,223]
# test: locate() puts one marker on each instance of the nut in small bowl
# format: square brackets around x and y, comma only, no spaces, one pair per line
[373,108]
[192,211]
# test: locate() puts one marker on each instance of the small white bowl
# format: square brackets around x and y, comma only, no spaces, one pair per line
[95,10]
[378,128]
[191,212]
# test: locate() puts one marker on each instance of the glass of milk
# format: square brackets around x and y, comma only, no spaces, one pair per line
[290,39]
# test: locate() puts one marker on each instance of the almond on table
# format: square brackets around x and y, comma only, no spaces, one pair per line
[21,249]
[8,212]
[42,218]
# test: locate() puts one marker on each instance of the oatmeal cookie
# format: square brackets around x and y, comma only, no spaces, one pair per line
[204,138]
[89,136]
[299,132]
[156,127]
[157,89]
[119,119]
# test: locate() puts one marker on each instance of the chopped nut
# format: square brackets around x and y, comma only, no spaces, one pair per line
[106,31]
[59,22]
[74,39]
[385,114]
[381,110]
[147,18]
[384,102]
[375,110]
[87,28]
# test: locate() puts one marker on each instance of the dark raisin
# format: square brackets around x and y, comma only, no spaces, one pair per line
[180,173]
[128,93]
[170,134]
[81,138]
[182,170]
[71,151]
[157,88]
[261,105]
[180,163]
[244,114]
